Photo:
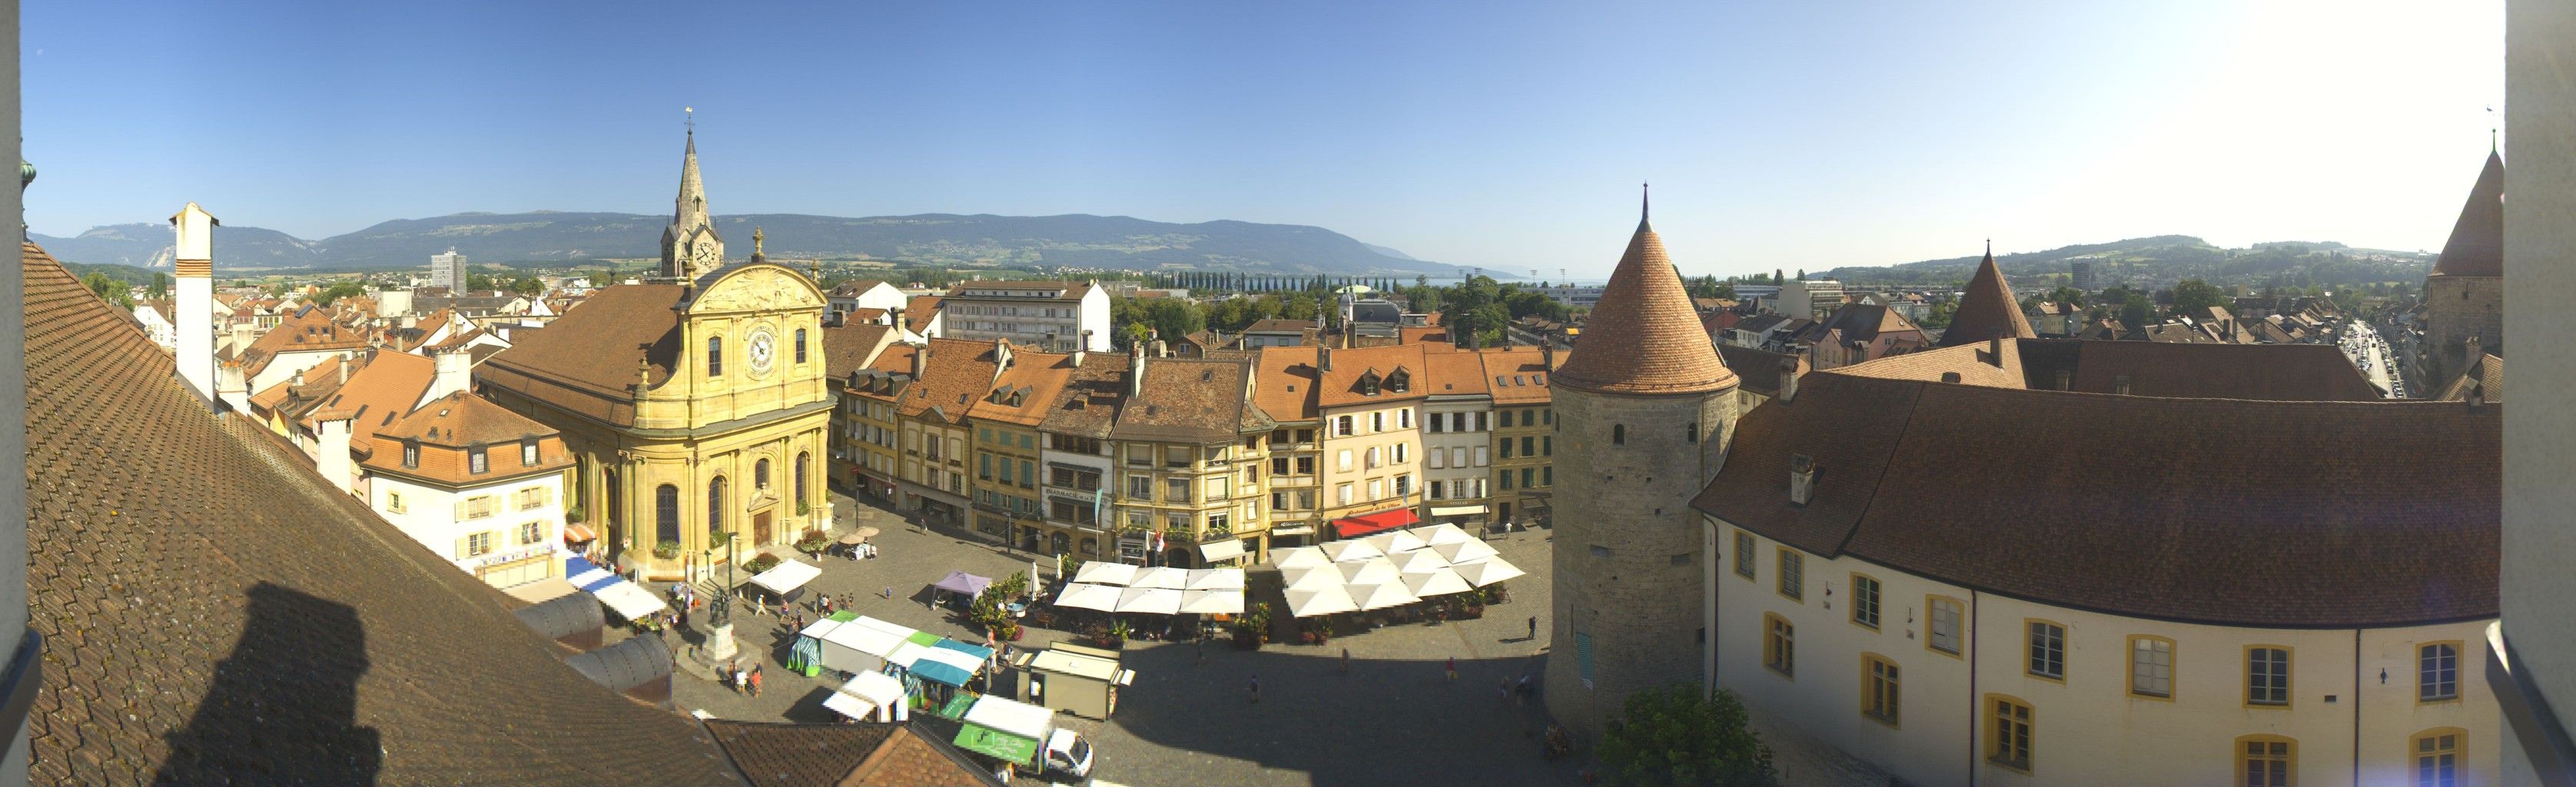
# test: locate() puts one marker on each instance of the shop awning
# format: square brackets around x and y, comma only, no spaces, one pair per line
[1460,510]
[627,599]
[578,533]
[1228,549]
[1293,530]
[1390,519]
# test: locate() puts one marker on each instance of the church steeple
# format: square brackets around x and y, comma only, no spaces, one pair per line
[690,246]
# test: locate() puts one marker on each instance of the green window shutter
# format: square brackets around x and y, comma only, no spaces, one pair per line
[1583,657]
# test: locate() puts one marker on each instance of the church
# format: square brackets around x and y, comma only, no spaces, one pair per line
[694,402]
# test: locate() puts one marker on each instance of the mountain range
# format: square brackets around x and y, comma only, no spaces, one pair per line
[2163,259]
[930,240]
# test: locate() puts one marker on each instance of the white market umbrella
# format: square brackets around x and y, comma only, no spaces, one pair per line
[1391,594]
[1368,572]
[1212,602]
[1082,596]
[1299,557]
[1420,561]
[1214,579]
[1443,533]
[1463,551]
[1313,603]
[1316,578]
[1437,583]
[1149,601]
[1395,542]
[1162,577]
[1347,551]
[1487,571]
[1101,573]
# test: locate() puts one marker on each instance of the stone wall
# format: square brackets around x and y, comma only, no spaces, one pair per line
[1627,544]
[2456,308]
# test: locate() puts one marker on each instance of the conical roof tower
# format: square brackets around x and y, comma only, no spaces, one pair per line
[690,245]
[1644,337]
[1988,309]
[2476,247]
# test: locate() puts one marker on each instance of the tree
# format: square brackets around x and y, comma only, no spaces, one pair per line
[338,290]
[160,287]
[1674,736]
[477,282]
[2193,298]
[2066,295]
[109,289]
[2136,311]
[529,285]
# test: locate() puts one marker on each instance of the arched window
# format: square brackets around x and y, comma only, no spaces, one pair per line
[800,345]
[1618,434]
[666,514]
[715,355]
[802,460]
[715,505]
[1691,436]
[760,474]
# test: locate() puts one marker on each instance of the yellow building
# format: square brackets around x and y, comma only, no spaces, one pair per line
[1190,455]
[1524,434]
[1007,446]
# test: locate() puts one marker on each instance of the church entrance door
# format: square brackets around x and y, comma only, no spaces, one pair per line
[760,528]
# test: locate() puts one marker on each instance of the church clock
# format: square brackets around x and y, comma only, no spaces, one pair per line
[705,257]
[764,350]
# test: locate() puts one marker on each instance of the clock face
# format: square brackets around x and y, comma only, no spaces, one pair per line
[764,350]
[706,254]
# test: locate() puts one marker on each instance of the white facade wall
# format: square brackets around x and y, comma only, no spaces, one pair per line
[286,365]
[1461,483]
[1051,457]
[2087,728]
[883,296]
[157,325]
[1095,318]
[1028,320]
[429,514]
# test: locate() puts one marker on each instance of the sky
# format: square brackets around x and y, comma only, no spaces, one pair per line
[1507,135]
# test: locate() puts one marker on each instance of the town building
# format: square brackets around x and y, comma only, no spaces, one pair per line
[869,425]
[1643,409]
[1009,465]
[1285,389]
[871,299]
[1279,333]
[1078,460]
[1987,309]
[475,483]
[2080,274]
[2464,296]
[1457,439]
[1809,299]
[947,376]
[156,317]
[1052,316]
[851,350]
[448,270]
[1190,444]
[1857,333]
[1524,434]
[1368,400]
[1571,296]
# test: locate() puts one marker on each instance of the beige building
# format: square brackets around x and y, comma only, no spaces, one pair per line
[1524,433]
[1285,389]
[1369,402]
[1190,450]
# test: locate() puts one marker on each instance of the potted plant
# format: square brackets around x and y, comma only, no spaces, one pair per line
[804,508]
[760,563]
[813,542]
[1471,605]
[1494,593]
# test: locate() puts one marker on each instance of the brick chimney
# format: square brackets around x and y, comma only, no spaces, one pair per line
[1802,479]
[194,272]
[331,455]
[455,372]
[1788,379]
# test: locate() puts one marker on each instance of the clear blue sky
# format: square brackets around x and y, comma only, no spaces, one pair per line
[1509,135]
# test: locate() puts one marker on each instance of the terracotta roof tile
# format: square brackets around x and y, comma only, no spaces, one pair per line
[585,360]
[1987,309]
[2486,378]
[1022,395]
[1191,399]
[387,385]
[1456,373]
[2476,247]
[1519,374]
[960,371]
[1340,385]
[1644,337]
[1758,369]
[1286,387]
[847,347]
[1088,404]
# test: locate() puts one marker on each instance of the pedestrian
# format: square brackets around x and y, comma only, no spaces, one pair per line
[755,681]
[1502,687]
[684,617]
[1201,644]
[1346,661]
[1256,689]
[1533,635]
[741,682]
[1453,669]
[889,592]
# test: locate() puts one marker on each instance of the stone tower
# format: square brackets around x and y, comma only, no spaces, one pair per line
[2464,297]
[1644,409]
[1987,309]
[690,246]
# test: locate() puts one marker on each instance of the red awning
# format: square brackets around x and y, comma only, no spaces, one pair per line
[1390,519]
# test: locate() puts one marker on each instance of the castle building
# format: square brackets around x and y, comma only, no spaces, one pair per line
[1644,409]
[1987,309]
[2464,296]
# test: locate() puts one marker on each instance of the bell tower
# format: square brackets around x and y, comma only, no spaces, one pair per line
[690,246]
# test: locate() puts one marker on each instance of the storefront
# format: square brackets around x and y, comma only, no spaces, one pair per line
[1366,524]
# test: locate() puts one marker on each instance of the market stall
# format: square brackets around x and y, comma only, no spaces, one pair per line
[786,581]
[1079,595]
[870,696]
[1072,678]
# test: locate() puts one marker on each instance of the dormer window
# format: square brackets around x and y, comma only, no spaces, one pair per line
[1399,382]
[477,459]
[528,452]
[411,453]
[1368,384]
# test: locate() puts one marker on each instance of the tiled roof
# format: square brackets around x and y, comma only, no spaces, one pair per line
[1340,385]
[1088,404]
[846,347]
[960,371]
[1191,399]
[214,613]
[2476,247]
[2487,378]
[1037,380]
[1643,337]
[1286,386]
[2260,372]
[855,287]
[448,426]
[1276,325]
[1519,374]
[1455,373]
[585,359]
[307,331]
[847,755]
[2194,516]
[1758,370]
[382,390]
[1987,309]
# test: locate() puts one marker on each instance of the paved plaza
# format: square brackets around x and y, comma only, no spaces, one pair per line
[1394,719]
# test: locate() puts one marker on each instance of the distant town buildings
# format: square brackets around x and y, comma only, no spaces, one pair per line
[1055,316]
[2080,274]
[448,270]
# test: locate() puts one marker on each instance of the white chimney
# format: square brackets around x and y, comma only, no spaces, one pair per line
[331,457]
[233,387]
[194,271]
[455,372]
[1136,370]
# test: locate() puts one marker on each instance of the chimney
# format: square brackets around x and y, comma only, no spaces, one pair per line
[1001,355]
[1162,350]
[1788,379]
[1547,352]
[455,373]
[2474,353]
[1135,370]
[921,361]
[331,457]
[193,271]
[2477,397]
[343,366]
[233,387]
[2065,380]
[1802,479]
[1080,350]
[1324,359]
[1995,350]
[2120,385]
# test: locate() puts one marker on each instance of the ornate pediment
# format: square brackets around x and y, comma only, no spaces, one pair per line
[757,288]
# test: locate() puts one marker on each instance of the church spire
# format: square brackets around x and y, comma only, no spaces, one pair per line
[1645,207]
[690,245]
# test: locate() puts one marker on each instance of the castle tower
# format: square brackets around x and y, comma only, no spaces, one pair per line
[2464,296]
[690,246]
[1643,412]
[1987,309]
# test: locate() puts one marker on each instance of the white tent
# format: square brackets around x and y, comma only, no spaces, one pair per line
[1464,551]
[1085,596]
[865,635]
[1443,533]
[1437,583]
[1161,577]
[1391,594]
[1487,571]
[1368,572]
[1326,601]
[1212,602]
[1214,579]
[1316,578]
[1150,601]
[1299,557]
[1420,561]
[630,600]
[789,575]
[1101,573]
[1346,551]
[863,695]
[1394,542]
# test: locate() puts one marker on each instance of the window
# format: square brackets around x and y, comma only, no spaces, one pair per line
[1404,418]
[411,452]
[1525,478]
[528,453]
[2265,760]
[477,507]
[1482,458]
[803,459]
[1377,422]
[715,505]
[1140,487]
[800,345]
[1878,693]
[477,460]
[2151,667]
[1342,426]
[1528,416]
[1342,495]
[715,355]
[1507,449]
[1343,460]
[478,544]
[1437,487]
[1864,601]
[529,533]
[2010,721]
[1372,457]
[1547,446]
[984,467]
[2437,672]
[666,514]
[1507,479]
[1547,476]
[1793,574]
[1690,434]
[760,474]
[2047,650]
[393,502]
[1744,554]
[1436,460]
[1403,452]
[1279,465]
[1528,443]
[1779,645]
[1377,488]
[2267,675]
[533,497]
[2437,757]
[1618,434]
[1946,616]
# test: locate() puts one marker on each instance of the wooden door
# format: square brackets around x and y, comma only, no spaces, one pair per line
[760,528]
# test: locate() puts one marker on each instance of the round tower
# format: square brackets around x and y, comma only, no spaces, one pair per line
[1644,409]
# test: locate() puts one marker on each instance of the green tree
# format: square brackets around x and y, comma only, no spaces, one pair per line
[1939,315]
[477,282]
[109,289]
[528,285]
[339,290]
[1674,736]
[160,287]
[2136,310]
[2193,298]
[2066,295]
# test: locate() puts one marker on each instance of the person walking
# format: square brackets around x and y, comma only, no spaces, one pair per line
[1256,689]
[755,681]
[1453,669]
[741,681]
[1346,661]
[1533,635]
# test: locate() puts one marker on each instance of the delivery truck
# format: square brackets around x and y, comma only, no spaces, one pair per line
[1018,737]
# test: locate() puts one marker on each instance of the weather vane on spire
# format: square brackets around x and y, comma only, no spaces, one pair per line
[2491,131]
[691,115]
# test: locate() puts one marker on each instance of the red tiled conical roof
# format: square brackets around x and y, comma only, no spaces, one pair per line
[1644,337]
[1987,310]
[2477,241]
